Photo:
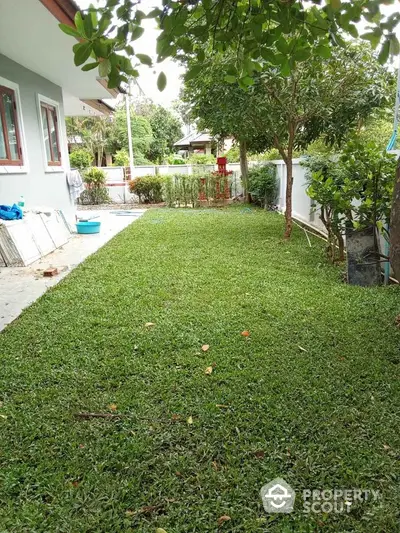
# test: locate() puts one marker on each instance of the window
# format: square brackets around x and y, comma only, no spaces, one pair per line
[50,132]
[10,140]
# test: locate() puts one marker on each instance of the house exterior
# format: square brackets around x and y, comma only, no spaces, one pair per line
[195,143]
[39,86]
[202,143]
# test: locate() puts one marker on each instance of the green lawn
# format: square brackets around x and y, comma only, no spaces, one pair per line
[312,395]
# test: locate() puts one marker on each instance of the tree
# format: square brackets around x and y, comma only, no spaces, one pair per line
[319,97]
[166,131]
[142,134]
[226,110]
[250,31]
[94,133]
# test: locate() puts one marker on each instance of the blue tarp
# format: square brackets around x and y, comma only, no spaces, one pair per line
[10,212]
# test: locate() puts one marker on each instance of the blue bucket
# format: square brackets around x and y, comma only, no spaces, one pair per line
[88,227]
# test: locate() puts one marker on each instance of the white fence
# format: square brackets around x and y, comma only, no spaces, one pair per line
[118,189]
[302,205]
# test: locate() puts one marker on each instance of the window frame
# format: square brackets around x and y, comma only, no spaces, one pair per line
[51,110]
[8,161]
[22,165]
[54,106]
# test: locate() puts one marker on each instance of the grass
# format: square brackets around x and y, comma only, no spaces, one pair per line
[312,395]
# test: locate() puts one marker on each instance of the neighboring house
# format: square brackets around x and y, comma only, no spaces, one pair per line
[201,143]
[195,143]
[39,86]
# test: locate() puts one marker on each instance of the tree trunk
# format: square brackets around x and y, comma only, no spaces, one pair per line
[395,227]
[244,170]
[289,189]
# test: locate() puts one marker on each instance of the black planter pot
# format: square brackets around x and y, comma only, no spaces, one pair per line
[363,266]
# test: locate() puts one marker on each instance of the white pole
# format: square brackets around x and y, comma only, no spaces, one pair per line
[128,123]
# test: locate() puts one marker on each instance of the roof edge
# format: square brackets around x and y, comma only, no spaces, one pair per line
[64,11]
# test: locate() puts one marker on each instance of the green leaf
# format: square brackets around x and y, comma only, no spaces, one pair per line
[145,59]
[104,68]
[282,45]
[88,25]
[285,69]
[373,37]
[384,53]
[394,45]
[352,29]
[69,30]
[192,73]
[256,29]
[137,32]
[90,66]
[268,55]
[230,79]
[323,51]
[105,21]
[246,81]
[100,48]
[79,23]
[82,53]
[154,13]
[201,55]
[302,54]
[336,4]
[161,81]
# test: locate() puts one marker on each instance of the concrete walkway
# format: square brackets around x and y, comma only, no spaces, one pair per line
[21,286]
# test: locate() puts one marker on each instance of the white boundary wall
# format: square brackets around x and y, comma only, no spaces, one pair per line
[302,205]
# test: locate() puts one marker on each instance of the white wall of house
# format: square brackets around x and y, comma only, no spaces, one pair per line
[39,184]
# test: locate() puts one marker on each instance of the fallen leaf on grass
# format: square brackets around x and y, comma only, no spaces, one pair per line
[75,484]
[160,530]
[260,454]
[113,406]
[190,420]
[245,333]
[222,406]
[397,321]
[301,348]
[209,370]
[205,347]
[222,519]
[149,324]
[386,447]
[3,416]
[175,417]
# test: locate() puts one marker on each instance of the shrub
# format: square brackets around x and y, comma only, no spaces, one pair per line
[353,190]
[96,190]
[175,159]
[201,159]
[232,154]
[80,159]
[263,185]
[121,158]
[148,189]
[182,190]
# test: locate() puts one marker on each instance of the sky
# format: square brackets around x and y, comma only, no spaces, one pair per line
[147,45]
